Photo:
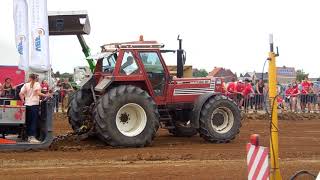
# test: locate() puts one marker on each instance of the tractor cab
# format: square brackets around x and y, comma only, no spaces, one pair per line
[139,62]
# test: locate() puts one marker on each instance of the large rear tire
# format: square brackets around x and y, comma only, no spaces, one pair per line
[126,116]
[78,110]
[220,120]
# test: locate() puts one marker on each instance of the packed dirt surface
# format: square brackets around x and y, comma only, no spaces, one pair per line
[169,157]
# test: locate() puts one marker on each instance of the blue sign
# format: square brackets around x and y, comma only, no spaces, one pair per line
[38,43]
[20,48]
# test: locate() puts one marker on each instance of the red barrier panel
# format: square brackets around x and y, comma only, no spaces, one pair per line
[257,160]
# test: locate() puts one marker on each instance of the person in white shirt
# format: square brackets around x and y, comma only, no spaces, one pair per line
[30,95]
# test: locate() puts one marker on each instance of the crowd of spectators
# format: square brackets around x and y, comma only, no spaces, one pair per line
[301,97]
[247,94]
[294,97]
[60,91]
[63,88]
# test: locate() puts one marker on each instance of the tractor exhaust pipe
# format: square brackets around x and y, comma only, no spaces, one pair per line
[180,59]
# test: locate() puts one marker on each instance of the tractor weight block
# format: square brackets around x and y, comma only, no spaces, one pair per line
[69,23]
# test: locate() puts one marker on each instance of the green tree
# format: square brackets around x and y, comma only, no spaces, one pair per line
[57,74]
[301,75]
[67,76]
[199,73]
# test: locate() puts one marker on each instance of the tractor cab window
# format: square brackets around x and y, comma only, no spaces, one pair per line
[109,62]
[129,65]
[155,71]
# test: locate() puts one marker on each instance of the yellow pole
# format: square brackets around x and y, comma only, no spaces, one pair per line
[274,141]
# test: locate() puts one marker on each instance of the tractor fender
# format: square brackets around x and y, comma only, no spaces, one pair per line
[198,104]
[103,85]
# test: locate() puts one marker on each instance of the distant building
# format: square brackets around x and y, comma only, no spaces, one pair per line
[187,70]
[247,75]
[286,74]
[227,74]
[254,76]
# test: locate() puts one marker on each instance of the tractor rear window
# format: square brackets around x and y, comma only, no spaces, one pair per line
[151,62]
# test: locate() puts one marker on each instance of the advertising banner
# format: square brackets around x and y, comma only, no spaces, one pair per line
[20,16]
[39,60]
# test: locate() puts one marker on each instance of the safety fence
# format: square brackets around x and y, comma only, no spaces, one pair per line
[301,103]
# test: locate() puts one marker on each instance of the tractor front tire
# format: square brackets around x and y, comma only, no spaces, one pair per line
[78,110]
[126,116]
[220,120]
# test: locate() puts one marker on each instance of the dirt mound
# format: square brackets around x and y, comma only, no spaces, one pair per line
[71,142]
[284,116]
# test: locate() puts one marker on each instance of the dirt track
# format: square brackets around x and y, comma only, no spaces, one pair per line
[169,157]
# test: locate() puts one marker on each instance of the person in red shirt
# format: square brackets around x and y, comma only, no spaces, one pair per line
[305,98]
[280,102]
[247,90]
[231,89]
[232,86]
[239,90]
[287,96]
[293,96]
[44,87]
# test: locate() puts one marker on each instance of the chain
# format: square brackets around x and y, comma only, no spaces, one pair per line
[63,137]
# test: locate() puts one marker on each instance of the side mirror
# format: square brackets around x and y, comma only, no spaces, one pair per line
[277,54]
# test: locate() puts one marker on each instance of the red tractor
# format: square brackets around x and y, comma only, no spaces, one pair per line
[131,94]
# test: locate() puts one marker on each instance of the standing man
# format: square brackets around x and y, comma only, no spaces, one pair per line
[305,97]
[259,95]
[247,90]
[294,96]
[66,88]
[239,90]
[288,93]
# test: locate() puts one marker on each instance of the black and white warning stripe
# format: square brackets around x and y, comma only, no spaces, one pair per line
[192,91]
[212,85]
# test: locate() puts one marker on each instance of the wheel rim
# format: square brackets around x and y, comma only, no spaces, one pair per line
[131,119]
[222,120]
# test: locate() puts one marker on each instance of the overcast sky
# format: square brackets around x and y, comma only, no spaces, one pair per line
[229,33]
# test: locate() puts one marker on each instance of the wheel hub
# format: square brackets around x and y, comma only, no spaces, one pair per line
[222,120]
[218,119]
[124,118]
[131,119]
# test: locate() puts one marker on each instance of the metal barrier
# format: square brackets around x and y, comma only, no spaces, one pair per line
[308,103]
[302,103]
[254,102]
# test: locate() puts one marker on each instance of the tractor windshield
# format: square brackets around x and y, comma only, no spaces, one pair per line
[109,62]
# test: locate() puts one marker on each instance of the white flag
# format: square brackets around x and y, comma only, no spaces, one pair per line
[20,17]
[39,60]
